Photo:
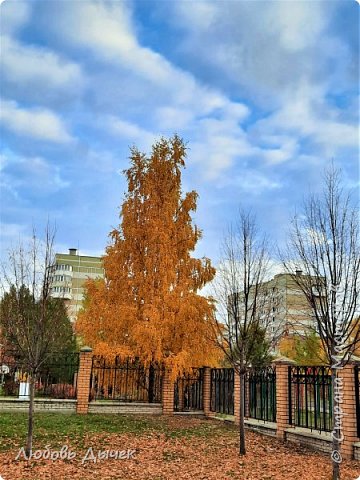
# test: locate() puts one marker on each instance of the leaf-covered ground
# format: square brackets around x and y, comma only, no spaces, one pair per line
[165,449]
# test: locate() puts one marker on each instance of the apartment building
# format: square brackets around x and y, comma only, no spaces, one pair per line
[291,312]
[283,307]
[69,276]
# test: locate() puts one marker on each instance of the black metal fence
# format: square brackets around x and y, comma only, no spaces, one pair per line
[222,390]
[125,381]
[56,378]
[188,391]
[260,394]
[357,397]
[310,398]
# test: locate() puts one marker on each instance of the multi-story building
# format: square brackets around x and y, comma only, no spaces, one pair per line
[291,312]
[69,276]
[283,307]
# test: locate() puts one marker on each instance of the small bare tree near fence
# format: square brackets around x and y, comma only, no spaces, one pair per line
[31,321]
[245,308]
[324,245]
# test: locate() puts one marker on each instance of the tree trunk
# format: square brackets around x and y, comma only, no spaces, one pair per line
[30,417]
[337,431]
[242,449]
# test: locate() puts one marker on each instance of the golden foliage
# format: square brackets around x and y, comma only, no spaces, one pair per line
[303,349]
[149,306]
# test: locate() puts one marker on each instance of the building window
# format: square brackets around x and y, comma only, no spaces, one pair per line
[63,266]
[61,289]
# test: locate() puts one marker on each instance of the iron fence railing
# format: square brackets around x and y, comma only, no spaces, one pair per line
[310,398]
[260,394]
[125,380]
[188,391]
[222,390]
[55,378]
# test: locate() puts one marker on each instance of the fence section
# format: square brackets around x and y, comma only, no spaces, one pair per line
[222,391]
[56,378]
[310,398]
[124,381]
[260,393]
[188,391]
[357,397]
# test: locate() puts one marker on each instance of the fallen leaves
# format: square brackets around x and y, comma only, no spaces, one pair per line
[206,451]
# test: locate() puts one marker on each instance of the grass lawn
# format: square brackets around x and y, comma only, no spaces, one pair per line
[162,449]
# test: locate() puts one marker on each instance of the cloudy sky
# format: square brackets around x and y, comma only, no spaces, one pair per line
[265,93]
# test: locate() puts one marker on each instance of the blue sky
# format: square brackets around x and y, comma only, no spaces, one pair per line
[265,93]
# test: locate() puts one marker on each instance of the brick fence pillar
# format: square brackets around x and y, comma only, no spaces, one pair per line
[207,393]
[247,399]
[167,394]
[348,405]
[282,395]
[180,391]
[83,380]
[237,397]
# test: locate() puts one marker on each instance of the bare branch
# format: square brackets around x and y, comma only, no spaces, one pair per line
[324,243]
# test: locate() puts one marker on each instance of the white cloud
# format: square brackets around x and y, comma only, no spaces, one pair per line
[280,148]
[218,144]
[11,231]
[37,122]
[297,24]
[29,65]
[14,14]
[131,132]
[251,182]
[200,15]
[173,118]
[107,30]
[221,143]
[174,99]
[22,175]
[263,47]
[306,115]
[102,161]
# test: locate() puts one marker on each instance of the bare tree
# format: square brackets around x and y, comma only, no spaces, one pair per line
[324,244]
[30,319]
[244,306]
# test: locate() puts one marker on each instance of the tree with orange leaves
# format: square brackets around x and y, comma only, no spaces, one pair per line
[148,306]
